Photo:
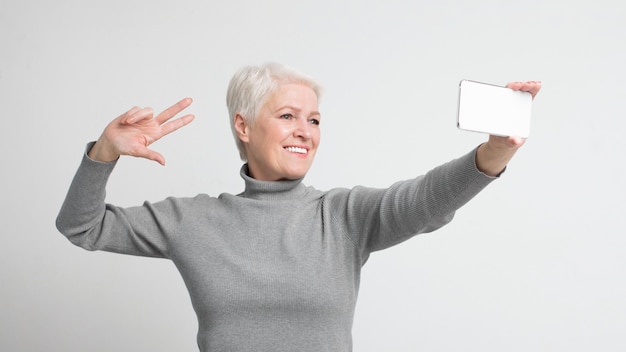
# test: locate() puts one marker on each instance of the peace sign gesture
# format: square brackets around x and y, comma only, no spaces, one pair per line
[132,132]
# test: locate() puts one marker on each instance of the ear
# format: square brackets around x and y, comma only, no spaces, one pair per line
[242,128]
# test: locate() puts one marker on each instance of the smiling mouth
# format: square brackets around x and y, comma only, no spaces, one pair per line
[296,150]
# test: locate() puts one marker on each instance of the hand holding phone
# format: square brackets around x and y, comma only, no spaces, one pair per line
[492,109]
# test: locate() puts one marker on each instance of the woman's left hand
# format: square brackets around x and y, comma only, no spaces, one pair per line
[515,142]
[493,156]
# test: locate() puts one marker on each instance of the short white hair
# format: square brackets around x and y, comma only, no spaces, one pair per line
[251,86]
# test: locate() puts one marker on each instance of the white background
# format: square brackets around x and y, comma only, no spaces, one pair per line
[535,263]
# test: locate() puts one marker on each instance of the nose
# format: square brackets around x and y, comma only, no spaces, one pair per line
[303,129]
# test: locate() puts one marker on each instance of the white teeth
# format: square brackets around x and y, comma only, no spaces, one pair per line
[296,150]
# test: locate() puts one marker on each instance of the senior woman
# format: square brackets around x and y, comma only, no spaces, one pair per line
[276,267]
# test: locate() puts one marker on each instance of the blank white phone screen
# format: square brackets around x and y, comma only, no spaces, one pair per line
[493,109]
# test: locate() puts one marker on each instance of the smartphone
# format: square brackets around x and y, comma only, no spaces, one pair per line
[493,109]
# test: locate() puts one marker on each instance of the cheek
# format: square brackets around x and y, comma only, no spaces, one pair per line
[272,139]
[317,136]
[266,136]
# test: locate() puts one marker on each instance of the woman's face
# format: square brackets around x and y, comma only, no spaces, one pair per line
[282,141]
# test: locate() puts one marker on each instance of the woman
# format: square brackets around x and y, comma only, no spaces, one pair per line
[276,267]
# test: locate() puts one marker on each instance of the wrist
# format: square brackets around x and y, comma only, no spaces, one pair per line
[492,160]
[99,152]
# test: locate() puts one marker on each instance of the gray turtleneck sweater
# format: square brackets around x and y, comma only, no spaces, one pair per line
[277,267]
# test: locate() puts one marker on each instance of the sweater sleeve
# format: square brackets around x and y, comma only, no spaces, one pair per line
[88,222]
[379,218]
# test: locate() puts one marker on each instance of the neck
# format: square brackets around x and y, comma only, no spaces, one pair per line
[275,190]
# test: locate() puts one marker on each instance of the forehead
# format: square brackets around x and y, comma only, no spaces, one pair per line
[293,94]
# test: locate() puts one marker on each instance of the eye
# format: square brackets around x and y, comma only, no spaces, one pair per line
[286,116]
[315,122]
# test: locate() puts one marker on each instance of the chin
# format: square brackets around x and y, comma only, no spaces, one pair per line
[294,174]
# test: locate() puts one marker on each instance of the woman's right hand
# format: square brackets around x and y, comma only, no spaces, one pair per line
[132,132]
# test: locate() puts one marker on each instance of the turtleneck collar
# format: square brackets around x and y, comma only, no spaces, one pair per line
[271,190]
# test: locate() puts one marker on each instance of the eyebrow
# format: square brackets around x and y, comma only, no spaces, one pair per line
[313,113]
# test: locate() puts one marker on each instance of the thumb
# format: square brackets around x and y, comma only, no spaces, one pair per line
[150,154]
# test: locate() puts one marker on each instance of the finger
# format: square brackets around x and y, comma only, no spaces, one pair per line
[514,85]
[124,117]
[531,87]
[133,110]
[516,141]
[149,154]
[173,110]
[535,88]
[155,156]
[138,115]
[176,124]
